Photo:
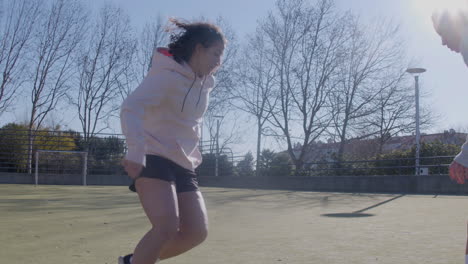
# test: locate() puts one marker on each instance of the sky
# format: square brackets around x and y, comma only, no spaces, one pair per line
[446,79]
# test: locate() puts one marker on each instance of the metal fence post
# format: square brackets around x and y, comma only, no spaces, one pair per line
[85,166]
[36,173]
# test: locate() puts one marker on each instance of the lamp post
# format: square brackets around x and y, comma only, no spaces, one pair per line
[416,72]
[218,118]
[201,136]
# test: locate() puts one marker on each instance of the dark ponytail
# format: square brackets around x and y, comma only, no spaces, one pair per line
[186,36]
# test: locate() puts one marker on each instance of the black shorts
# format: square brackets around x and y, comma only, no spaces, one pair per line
[161,168]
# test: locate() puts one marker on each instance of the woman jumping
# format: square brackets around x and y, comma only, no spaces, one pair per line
[161,121]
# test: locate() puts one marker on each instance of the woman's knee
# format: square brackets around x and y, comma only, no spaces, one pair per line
[203,235]
[165,231]
[198,235]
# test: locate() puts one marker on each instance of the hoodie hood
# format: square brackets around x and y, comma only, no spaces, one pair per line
[164,60]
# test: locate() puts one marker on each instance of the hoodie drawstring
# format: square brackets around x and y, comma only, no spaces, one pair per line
[201,88]
[188,92]
[185,98]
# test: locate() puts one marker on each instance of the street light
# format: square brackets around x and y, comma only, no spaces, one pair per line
[218,118]
[416,72]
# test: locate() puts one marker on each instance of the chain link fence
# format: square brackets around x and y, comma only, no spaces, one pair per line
[61,154]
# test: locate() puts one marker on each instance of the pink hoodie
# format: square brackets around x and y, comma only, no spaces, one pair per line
[462,157]
[163,115]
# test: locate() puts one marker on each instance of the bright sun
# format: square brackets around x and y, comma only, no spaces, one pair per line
[425,8]
[428,6]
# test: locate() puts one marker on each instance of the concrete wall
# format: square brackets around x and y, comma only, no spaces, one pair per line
[432,184]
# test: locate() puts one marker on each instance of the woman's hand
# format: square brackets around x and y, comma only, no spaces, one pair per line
[458,172]
[133,169]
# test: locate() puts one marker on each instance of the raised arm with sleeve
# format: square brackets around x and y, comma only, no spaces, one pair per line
[148,94]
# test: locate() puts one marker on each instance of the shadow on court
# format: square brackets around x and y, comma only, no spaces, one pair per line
[360,213]
[274,199]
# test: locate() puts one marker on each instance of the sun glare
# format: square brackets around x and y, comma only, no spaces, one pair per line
[425,8]
[430,6]
[449,4]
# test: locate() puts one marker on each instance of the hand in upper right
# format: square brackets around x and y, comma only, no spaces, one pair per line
[133,169]
[458,172]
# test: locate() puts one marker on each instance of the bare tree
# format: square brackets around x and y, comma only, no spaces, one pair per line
[256,78]
[221,94]
[371,52]
[59,31]
[305,46]
[223,131]
[152,35]
[394,110]
[18,24]
[107,56]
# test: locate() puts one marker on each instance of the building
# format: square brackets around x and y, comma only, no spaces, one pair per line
[357,149]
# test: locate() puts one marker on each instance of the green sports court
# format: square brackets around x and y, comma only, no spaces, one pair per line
[95,224]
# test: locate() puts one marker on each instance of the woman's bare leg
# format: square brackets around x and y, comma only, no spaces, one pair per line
[159,202]
[193,226]
[466,250]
